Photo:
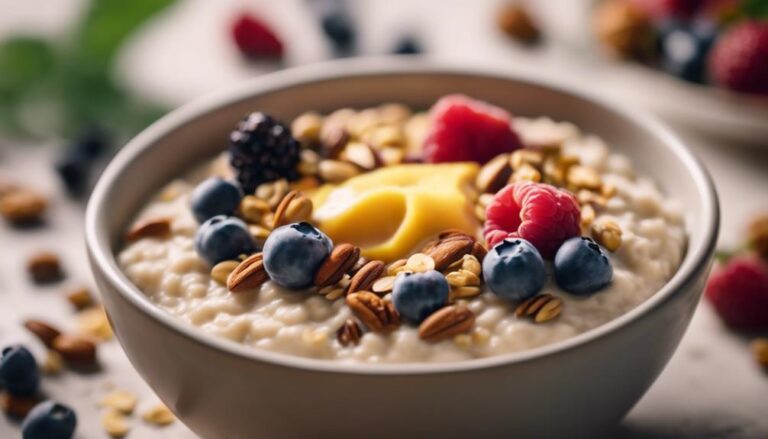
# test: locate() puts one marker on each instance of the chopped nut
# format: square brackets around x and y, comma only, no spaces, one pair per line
[23,206]
[362,155]
[525,172]
[419,262]
[341,260]
[75,350]
[80,298]
[309,161]
[366,276]
[259,233]
[585,196]
[608,190]
[462,278]
[583,177]
[526,156]
[384,136]
[150,228]
[248,275]
[608,234]
[52,363]
[623,29]
[377,314]
[391,156]
[349,333]
[45,268]
[393,113]
[221,271]
[494,174]
[158,415]
[515,21]
[542,308]
[760,351]
[587,216]
[252,209]
[273,192]
[383,284]
[115,423]
[333,141]
[121,400]
[295,207]
[42,330]
[94,323]
[331,292]
[446,323]
[335,171]
[471,264]
[465,292]
[306,128]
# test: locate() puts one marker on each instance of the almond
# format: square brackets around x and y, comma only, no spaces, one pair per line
[341,260]
[23,206]
[45,332]
[450,250]
[248,275]
[150,228]
[45,268]
[447,322]
[541,308]
[494,174]
[375,313]
[333,141]
[75,350]
[366,276]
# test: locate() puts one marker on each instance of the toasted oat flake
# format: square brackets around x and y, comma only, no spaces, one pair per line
[420,262]
[120,400]
[384,284]
[158,415]
[94,322]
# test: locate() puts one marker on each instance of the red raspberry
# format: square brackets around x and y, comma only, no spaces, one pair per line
[255,38]
[739,293]
[537,212]
[739,60]
[468,130]
[658,10]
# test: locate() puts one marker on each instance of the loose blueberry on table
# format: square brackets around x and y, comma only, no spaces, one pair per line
[49,420]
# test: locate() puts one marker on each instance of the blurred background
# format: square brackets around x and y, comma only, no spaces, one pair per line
[78,78]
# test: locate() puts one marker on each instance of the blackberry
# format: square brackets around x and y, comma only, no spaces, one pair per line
[262,149]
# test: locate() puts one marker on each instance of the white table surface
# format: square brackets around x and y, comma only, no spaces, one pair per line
[711,387]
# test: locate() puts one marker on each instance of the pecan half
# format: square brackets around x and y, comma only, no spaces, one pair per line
[45,332]
[341,260]
[376,314]
[248,275]
[349,333]
[541,308]
[366,276]
[446,323]
[450,250]
[151,228]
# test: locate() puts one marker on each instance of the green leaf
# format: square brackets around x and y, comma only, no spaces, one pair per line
[107,25]
[756,8]
[24,61]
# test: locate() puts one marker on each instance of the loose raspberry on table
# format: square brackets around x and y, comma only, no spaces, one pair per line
[255,38]
[739,293]
[467,130]
[540,213]
[661,9]
[739,60]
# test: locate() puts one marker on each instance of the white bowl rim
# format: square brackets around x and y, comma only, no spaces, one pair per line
[103,258]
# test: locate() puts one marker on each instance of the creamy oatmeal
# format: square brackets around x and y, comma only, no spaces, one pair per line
[649,242]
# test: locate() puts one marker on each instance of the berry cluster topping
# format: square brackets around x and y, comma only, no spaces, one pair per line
[540,213]
[468,130]
[262,149]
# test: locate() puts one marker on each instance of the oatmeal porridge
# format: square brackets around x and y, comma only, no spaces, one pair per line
[385,235]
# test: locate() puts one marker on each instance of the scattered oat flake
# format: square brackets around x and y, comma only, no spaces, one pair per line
[94,322]
[159,415]
[115,423]
[120,400]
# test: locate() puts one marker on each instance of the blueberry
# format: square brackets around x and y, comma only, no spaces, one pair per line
[417,295]
[293,254]
[514,269]
[407,46]
[582,267]
[92,143]
[215,196]
[49,420]
[74,170]
[222,238]
[18,371]
[684,48]
[337,26]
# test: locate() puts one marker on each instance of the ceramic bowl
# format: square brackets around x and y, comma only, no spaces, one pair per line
[578,387]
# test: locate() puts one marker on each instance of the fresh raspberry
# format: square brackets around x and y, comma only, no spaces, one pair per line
[255,38]
[739,60]
[542,214]
[468,130]
[658,10]
[739,293]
